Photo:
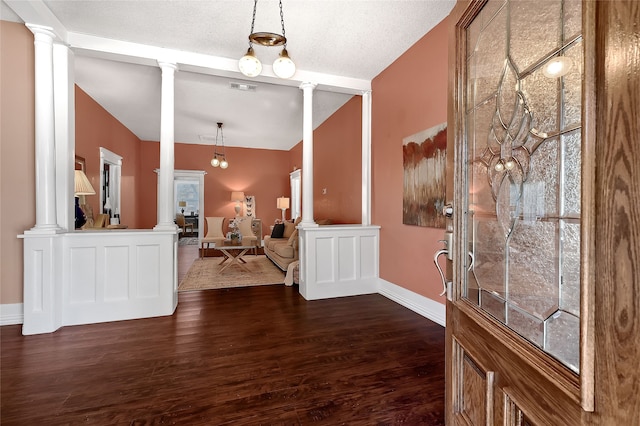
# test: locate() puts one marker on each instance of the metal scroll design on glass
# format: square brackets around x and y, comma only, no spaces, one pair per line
[523,135]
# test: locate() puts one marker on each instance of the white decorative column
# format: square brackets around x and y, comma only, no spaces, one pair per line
[307,155]
[167,158]
[65,134]
[366,157]
[46,218]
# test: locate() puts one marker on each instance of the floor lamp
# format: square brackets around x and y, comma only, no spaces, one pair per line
[283,204]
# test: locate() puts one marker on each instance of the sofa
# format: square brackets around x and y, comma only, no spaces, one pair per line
[282,248]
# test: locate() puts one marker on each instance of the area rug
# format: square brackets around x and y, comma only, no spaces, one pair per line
[188,241]
[204,274]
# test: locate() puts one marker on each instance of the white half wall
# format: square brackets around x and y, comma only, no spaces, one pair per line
[338,260]
[87,277]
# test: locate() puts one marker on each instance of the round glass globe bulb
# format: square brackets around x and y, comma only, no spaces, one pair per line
[249,65]
[499,167]
[284,67]
[215,162]
[224,164]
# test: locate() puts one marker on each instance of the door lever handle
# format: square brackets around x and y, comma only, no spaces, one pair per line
[442,277]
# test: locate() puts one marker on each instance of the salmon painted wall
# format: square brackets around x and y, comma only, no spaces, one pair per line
[17,154]
[259,172]
[407,97]
[96,128]
[337,165]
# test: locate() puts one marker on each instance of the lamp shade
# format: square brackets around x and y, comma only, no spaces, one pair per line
[82,186]
[237,196]
[283,203]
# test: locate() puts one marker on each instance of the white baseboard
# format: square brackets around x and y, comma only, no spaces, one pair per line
[424,306]
[11,313]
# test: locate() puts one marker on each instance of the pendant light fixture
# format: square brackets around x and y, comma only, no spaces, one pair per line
[251,66]
[219,157]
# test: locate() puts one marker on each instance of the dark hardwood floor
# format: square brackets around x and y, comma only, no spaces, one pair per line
[241,356]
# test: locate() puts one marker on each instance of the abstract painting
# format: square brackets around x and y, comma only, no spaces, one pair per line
[424,157]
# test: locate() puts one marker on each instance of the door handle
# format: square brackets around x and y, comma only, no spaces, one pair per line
[442,277]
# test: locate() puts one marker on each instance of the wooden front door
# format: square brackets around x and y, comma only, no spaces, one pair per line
[514,317]
[543,312]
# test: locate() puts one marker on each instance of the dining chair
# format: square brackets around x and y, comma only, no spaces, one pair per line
[182,223]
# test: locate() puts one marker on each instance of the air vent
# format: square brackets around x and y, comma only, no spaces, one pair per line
[245,87]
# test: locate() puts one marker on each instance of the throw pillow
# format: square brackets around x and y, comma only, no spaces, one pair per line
[278,230]
[293,238]
[288,229]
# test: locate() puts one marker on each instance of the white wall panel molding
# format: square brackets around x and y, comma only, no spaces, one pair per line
[338,260]
[88,277]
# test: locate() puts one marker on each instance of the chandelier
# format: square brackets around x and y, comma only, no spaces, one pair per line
[219,157]
[251,66]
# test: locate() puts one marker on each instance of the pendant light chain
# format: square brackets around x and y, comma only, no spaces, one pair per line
[253,20]
[281,22]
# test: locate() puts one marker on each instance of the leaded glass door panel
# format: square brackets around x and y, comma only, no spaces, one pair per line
[514,317]
[523,133]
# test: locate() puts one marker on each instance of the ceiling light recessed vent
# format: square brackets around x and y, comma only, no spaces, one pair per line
[208,138]
[245,87]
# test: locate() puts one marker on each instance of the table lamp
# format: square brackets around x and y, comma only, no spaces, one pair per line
[283,204]
[238,197]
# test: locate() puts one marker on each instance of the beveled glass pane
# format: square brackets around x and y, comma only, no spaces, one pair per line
[493,304]
[490,55]
[544,174]
[571,144]
[570,284]
[533,268]
[482,127]
[490,9]
[489,258]
[572,18]
[542,96]
[572,90]
[528,326]
[534,35]
[562,338]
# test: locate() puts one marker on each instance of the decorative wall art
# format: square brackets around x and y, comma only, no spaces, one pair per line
[250,203]
[424,157]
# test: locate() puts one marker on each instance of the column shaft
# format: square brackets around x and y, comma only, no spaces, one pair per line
[46,218]
[366,157]
[307,155]
[167,157]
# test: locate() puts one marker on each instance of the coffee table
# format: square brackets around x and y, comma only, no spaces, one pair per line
[234,254]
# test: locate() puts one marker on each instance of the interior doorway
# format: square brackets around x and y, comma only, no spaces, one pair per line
[188,190]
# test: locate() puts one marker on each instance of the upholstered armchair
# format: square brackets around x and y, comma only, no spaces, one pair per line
[248,237]
[214,233]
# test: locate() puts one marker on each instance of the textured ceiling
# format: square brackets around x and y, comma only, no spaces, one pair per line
[350,38]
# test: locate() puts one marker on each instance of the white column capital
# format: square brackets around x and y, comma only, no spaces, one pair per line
[366,92]
[305,85]
[166,66]
[41,32]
